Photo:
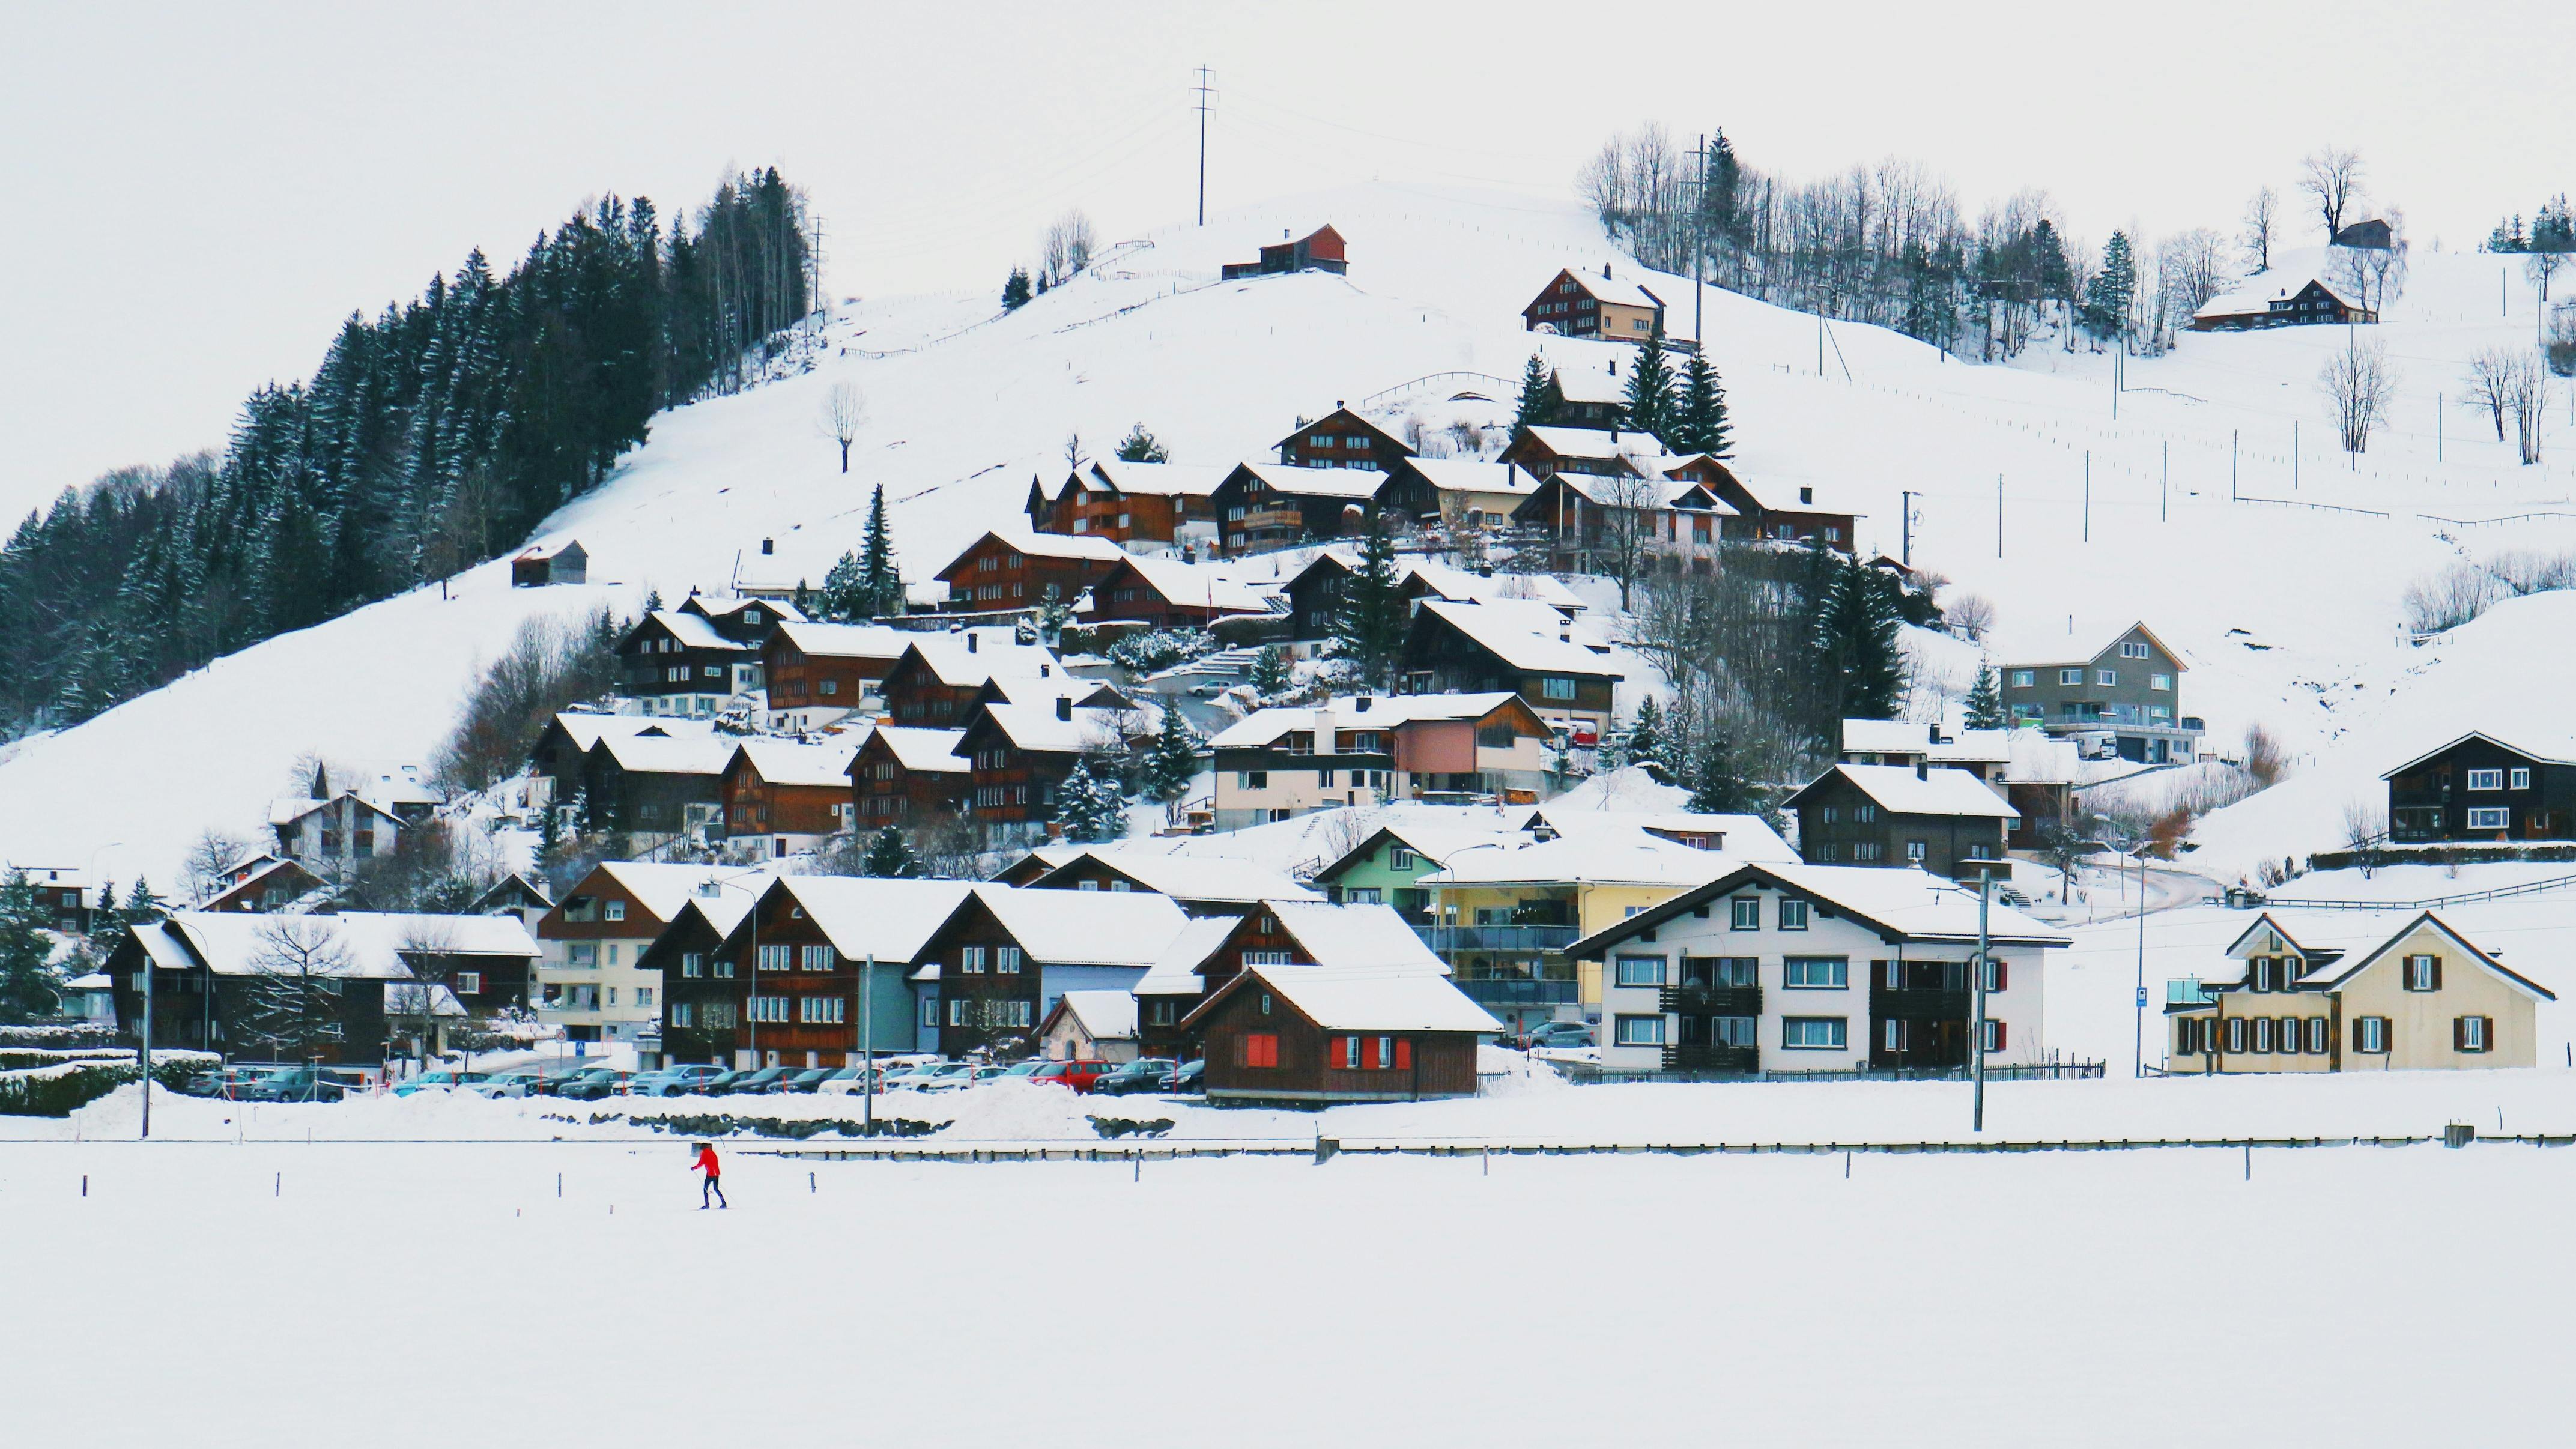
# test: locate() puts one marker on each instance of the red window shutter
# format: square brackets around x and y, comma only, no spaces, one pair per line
[1404,1054]
[2459,1032]
[1368,1053]
[2003,973]
[1999,1029]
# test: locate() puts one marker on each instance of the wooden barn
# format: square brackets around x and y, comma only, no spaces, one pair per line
[1320,250]
[1317,1035]
[550,563]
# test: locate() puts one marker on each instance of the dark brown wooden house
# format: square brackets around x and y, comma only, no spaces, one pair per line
[1163,593]
[1018,756]
[1342,439]
[1137,505]
[902,775]
[1319,1035]
[651,785]
[811,938]
[1212,949]
[1004,958]
[787,796]
[1515,646]
[2478,787]
[1320,250]
[1889,815]
[1265,506]
[934,685]
[1008,570]
[817,673]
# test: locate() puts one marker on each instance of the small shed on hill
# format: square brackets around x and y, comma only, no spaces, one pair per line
[550,563]
[1319,250]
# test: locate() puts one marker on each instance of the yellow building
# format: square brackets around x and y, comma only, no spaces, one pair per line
[2328,992]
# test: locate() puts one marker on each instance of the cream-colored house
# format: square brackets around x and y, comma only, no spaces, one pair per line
[2334,993]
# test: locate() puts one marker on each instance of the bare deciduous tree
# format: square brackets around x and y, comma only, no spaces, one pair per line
[2540,266]
[2445,600]
[1969,616]
[2488,367]
[2265,760]
[2526,391]
[2331,176]
[2359,382]
[215,850]
[2260,215]
[429,949]
[291,998]
[2373,276]
[1067,247]
[839,418]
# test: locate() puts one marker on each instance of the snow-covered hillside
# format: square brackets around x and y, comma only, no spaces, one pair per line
[2287,614]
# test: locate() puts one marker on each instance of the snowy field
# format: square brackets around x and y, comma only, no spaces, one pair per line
[402,1295]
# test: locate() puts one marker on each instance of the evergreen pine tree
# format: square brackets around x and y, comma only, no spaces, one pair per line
[1856,638]
[1088,807]
[1270,673]
[141,905]
[26,983]
[1172,761]
[888,856]
[1370,625]
[1646,744]
[106,907]
[1015,292]
[1699,417]
[882,582]
[652,601]
[1650,388]
[1139,446]
[1539,398]
[1717,786]
[1986,703]
[2108,293]
[844,596]
[550,841]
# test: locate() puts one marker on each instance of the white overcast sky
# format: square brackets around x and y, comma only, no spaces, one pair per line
[198,193]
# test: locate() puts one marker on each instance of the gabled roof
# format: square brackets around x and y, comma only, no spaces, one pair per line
[1160,480]
[1614,855]
[1590,385]
[586,729]
[1642,450]
[1103,1015]
[1343,417]
[1474,475]
[287,812]
[1384,712]
[694,631]
[1431,843]
[892,920]
[785,762]
[662,888]
[2537,759]
[995,653]
[2106,646]
[1901,904]
[1175,971]
[1022,539]
[1899,791]
[513,886]
[1337,998]
[1358,485]
[846,641]
[2342,972]
[1036,727]
[354,945]
[1914,737]
[2333,947]
[918,749]
[1355,937]
[1741,837]
[1086,928]
[1187,877]
[1617,290]
[552,550]
[646,755]
[1459,585]
[784,609]
[1508,635]
[1206,585]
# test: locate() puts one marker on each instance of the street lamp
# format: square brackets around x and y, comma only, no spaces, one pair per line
[2138,1048]
[714,886]
[1977,968]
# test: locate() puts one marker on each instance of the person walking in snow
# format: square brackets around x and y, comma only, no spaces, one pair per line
[706,1162]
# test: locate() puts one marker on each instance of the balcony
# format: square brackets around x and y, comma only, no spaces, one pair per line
[1447,939]
[1519,991]
[1711,1001]
[2187,991]
[1920,1005]
[1713,1059]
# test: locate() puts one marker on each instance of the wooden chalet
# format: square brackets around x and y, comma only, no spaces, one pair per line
[1320,250]
[288,988]
[1591,522]
[1518,647]
[1590,397]
[1212,950]
[1342,439]
[515,895]
[1161,593]
[2479,787]
[1143,507]
[2300,302]
[1001,961]
[680,663]
[745,618]
[935,682]
[818,673]
[790,983]
[1265,506]
[563,747]
[1036,861]
[1773,512]
[335,835]
[1200,885]
[1019,755]
[652,785]
[788,797]
[1470,493]
[1012,569]
[1889,815]
[1316,1035]
[903,775]
[1576,303]
[1316,591]
[550,563]
[263,883]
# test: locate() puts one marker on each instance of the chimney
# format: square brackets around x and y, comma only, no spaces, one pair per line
[1045,670]
[1064,706]
[1922,768]
[1605,271]
[970,641]
[769,545]
[1806,495]
[1365,702]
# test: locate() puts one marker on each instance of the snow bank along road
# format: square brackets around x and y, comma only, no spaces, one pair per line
[287,1294]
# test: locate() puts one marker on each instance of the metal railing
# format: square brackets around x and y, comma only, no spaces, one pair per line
[1518,991]
[1445,939]
[1509,388]
[2499,893]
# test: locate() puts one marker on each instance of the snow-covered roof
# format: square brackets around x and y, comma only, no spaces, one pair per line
[1604,855]
[1649,490]
[1210,585]
[891,920]
[1197,878]
[1344,712]
[288,811]
[1086,928]
[1170,480]
[1613,289]
[996,651]
[1640,448]
[1899,790]
[1049,545]
[358,945]
[1515,637]
[695,631]
[1355,937]
[1914,737]
[586,728]
[726,608]
[663,888]
[846,641]
[1175,970]
[1357,484]
[1742,837]
[1340,998]
[2255,298]
[921,749]
[1473,475]
[785,762]
[1459,585]
[2041,659]
[1906,903]
[2560,749]
[1591,385]
[402,998]
[646,755]
[1036,726]
[1104,1015]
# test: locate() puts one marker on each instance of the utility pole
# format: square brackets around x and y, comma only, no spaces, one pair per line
[2294,455]
[147,1038]
[1699,249]
[1206,96]
[2088,495]
[2140,1030]
[2164,488]
[868,1046]
[2232,438]
[814,268]
[1999,515]
[1977,1030]
[1905,553]
[2438,420]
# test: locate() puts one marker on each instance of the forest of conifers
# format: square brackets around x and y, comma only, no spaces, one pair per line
[432,438]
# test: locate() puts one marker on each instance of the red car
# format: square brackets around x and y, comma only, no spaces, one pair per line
[1077,1075]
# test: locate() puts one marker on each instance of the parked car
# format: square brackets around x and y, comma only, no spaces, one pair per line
[760,1082]
[437,1081]
[1081,1076]
[918,1075]
[674,1081]
[294,1084]
[949,1077]
[1019,1071]
[810,1079]
[1185,1081]
[521,1082]
[724,1081]
[1560,1034]
[1140,1075]
[592,1084]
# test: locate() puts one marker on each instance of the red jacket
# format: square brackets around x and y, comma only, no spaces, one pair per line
[707,1162]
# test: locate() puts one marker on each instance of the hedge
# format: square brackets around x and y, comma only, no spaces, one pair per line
[62,1088]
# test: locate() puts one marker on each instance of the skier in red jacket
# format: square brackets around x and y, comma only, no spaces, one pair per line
[706,1162]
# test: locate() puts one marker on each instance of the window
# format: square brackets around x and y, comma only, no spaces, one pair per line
[2106,677]
[1266,958]
[582,953]
[820,1010]
[2486,779]
[2370,1034]
[1365,895]
[777,958]
[1793,914]
[1301,742]
[2288,1036]
[1914,852]
[1815,973]
[2490,818]
[470,983]
[1641,970]
[723,967]
[2024,678]
[1994,1036]
[770,1009]
[2471,1033]
[616,910]
[815,958]
[713,671]
[1864,850]
[2262,1036]
[970,959]
[2132,649]
[1257,1049]
[1830,814]
[1639,1031]
[2521,777]
[929,1013]
[1812,1033]
[1161,1012]
[684,1013]
[1400,858]
[2070,676]
[2159,681]
[957,1011]
[1006,960]
[828,687]
[1732,1031]
[2320,1035]
[1744,913]
[2423,973]
[1555,686]
[1252,779]
[643,996]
